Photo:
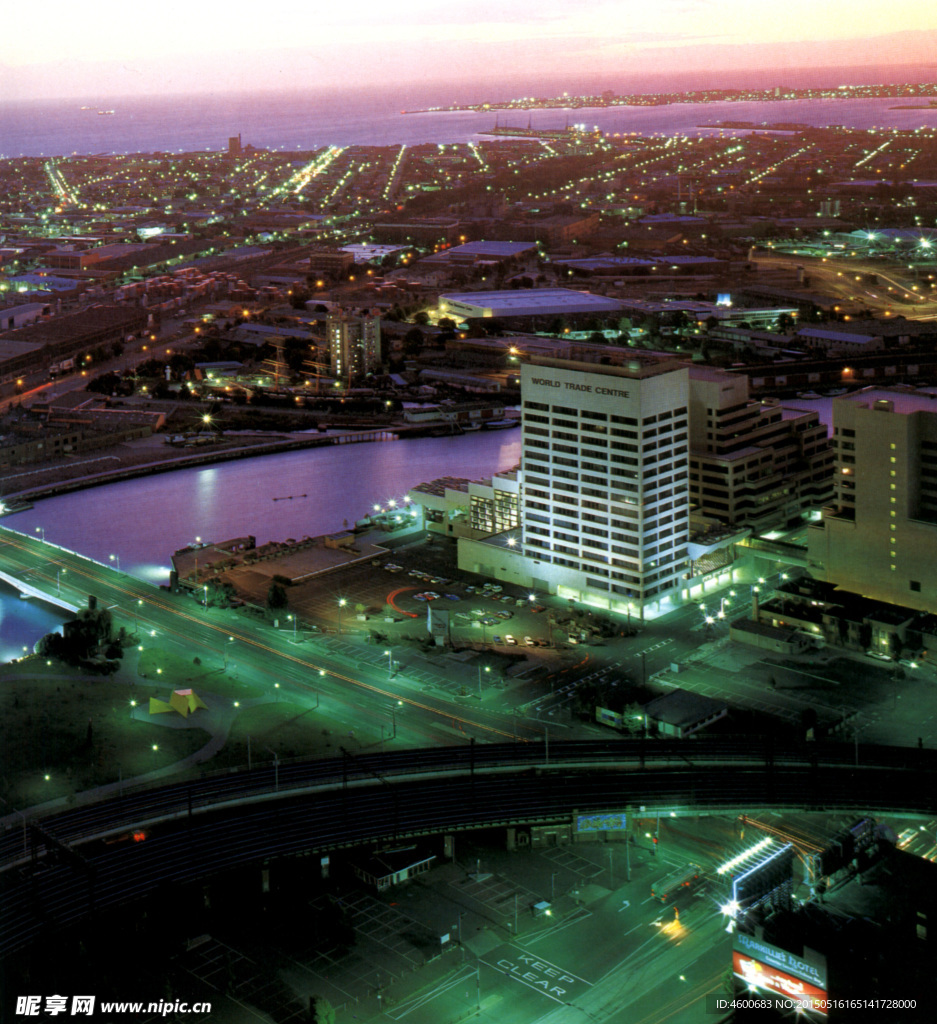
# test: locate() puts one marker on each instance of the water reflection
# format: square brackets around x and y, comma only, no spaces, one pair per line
[143,521]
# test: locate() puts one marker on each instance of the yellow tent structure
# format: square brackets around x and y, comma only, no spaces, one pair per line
[182,701]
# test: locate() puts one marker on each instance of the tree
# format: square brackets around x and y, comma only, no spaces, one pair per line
[321,1011]
[276,597]
[413,342]
[422,317]
[632,718]
[52,645]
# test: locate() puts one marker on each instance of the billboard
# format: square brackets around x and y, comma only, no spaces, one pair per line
[611,822]
[812,970]
[758,975]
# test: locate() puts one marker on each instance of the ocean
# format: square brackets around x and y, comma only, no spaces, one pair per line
[304,122]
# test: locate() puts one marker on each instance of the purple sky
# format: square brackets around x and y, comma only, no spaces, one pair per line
[108,48]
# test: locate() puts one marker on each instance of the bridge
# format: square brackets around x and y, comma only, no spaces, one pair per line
[58,868]
[26,590]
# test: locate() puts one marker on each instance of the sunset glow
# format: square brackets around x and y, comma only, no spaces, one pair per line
[104,50]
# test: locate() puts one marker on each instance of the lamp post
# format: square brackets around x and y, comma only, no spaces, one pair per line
[341,604]
[487,669]
[205,597]
[294,618]
[390,662]
[41,530]
[113,558]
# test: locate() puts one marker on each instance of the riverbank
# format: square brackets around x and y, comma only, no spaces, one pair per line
[139,458]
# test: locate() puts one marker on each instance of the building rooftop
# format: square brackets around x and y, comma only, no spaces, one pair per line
[681,708]
[525,298]
[904,402]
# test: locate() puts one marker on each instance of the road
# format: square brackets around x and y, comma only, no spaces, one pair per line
[352,677]
[895,292]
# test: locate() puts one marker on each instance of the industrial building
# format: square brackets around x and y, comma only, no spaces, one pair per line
[524,302]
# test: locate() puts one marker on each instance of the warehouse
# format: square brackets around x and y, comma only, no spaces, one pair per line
[524,302]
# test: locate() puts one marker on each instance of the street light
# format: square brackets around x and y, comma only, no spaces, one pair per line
[390,662]
[113,558]
[42,532]
[293,618]
[205,590]
[341,604]
[487,669]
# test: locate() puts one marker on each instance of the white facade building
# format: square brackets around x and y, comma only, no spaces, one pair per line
[605,464]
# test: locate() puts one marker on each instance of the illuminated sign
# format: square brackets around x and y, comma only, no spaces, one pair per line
[601,823]
[758,975]
[814,972]
[574,386]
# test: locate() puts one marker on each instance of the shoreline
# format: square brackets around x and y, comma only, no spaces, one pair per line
[56,487]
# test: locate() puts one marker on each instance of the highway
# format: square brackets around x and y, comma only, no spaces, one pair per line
[848,279]
[81,860]
[357,689]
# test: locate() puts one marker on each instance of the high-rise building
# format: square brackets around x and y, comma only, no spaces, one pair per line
[754,463]
[879,536]
[605,458]
[354,344]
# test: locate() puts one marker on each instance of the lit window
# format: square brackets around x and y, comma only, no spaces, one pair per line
[891,472]
[893,513]
[892,459]
[893,487]
[893,447]
[893,567]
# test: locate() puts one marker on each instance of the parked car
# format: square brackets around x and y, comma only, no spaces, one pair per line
[529,640]
[511,641]
[496,640]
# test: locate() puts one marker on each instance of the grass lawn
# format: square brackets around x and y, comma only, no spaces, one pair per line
[173,672]
[62,731]
[288,729]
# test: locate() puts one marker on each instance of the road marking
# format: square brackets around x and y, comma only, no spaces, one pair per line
[536,973]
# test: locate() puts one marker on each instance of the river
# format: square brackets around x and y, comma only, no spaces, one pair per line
[318,490]
[142,522]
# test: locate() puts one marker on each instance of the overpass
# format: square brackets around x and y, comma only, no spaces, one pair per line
[60,868]
[26,590]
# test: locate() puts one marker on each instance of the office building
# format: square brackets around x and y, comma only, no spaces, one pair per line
[604,513]
[878,538]
[756,464]
[354,345]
